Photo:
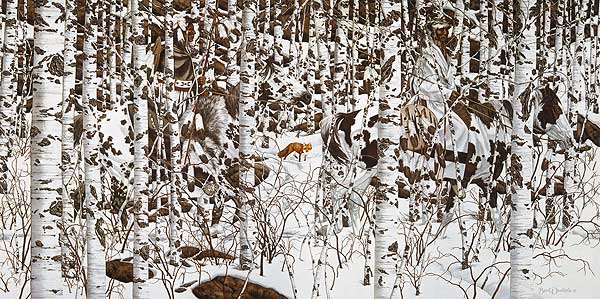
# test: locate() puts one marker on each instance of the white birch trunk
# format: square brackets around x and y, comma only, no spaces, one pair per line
[233,68]
[484,46]
[69,156]
[125,67]
[569,185]
[112,55]
[465,49]
[341,57]
[386,211]
[323,57]
[521,221]
[2,26]
[579,61]
[358,44]
[95,235]
[264,54]
[559,61]
[209,42]
[496,91]
[176,182]
[594,58]
[550,173]
[293,49]
[141,246]
[575,106]
[8,86]
[278,34]
[46,130]
[247,234]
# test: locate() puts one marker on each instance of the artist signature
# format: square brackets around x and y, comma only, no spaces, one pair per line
[555,291]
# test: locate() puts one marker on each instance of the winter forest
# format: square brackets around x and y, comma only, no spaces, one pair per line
[270,149]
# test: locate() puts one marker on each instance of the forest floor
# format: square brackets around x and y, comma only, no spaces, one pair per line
[570,272]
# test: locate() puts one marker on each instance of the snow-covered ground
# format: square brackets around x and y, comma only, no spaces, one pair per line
[290,190]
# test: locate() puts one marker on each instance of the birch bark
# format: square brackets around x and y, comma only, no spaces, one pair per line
[386,211]
[278,34]
[323,56]
[521,221]
[46,130]
[69,156]
[341,57]
[7,87]
[247,234]
[233,68]
[95,235]
[176,183]
[141,245]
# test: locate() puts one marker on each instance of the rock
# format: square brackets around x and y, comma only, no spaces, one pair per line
[188,251]
[211,253]
[227,287]
[122,271]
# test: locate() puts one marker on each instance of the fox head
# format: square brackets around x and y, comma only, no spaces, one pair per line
[307,147]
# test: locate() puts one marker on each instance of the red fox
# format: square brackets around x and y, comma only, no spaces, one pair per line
[295,147]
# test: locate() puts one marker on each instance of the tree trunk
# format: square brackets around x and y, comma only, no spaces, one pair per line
[550,173]
[46,280]
[341,57]
[95,234]
[496,90]
[521,221]
[8,86]
[69,156]
[264,54]
[386,201]
[209,42]
[176,183]
[141,245]
[247,133]
[323,57]
[484,46]
[125,67]
[465,44]
[575,106]
[278,34]
[233,68]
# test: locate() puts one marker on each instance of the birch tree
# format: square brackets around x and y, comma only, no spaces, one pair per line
[575,101]
[209,41]
[278,34]
[323,56]
[495,76]
[7,87]
[484,46]
[594,52]
[464,31]
[310,63]
[46,130]
[247,233]
[341,56]
[521,221]
[112,54]
[176,182]
[69,157]
[141,246]
[264,54]
[95,236]
[233,68]
[126,48]
[386,211]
